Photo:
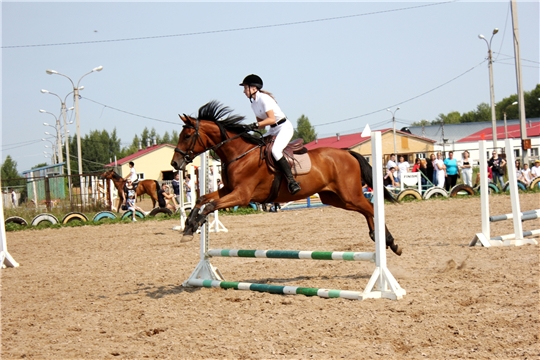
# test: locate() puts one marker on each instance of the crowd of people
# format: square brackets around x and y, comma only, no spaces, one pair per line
[445,172]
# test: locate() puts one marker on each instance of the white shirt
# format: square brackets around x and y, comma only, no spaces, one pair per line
[264,103]
[403,168]
[535,171]
[391,164]
[526,175]
[133,174]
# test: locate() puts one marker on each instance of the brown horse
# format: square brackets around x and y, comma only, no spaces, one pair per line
[336,174]
[149,187]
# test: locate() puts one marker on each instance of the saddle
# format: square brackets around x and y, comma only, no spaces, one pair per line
[295,153]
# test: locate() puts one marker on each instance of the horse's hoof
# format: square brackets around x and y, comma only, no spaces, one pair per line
[395,248]
[186,238]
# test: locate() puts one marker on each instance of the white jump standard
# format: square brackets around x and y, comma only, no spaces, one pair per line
[518,237]
[382,284]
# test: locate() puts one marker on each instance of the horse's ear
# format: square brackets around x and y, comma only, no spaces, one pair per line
[186,119]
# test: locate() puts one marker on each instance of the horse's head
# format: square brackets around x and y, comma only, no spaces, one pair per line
[207,131]
[107,174]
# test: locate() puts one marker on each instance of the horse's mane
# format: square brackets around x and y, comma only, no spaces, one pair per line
[114,174]
[221,115]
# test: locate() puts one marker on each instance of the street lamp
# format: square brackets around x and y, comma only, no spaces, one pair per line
[52,148]
[64,113]
[394,123]
[76,90]
[76,100]
[504,114]
[58,140]
[491,90]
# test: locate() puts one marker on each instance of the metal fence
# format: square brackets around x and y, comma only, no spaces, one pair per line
[87,192]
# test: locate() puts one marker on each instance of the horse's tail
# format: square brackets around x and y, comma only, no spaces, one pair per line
[157,187]
[366,171]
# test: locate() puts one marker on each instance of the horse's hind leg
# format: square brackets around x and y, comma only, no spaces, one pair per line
[362,205]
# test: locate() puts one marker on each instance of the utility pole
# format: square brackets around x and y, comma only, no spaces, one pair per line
[525,143]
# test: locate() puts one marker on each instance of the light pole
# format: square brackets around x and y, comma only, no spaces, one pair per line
[394,124]
[76,90]
[504,114]
[64,114]
[53,157]
[491,89]
[76,100]
[58,139]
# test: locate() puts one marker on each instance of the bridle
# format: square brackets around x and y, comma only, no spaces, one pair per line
[190,155]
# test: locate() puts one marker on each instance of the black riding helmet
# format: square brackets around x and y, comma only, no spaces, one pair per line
[252,80]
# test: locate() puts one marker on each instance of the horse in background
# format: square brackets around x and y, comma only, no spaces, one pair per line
[149,187]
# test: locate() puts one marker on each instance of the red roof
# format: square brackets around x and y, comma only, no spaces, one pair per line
[513,131]
[351,140]
[138,154]
[343,142]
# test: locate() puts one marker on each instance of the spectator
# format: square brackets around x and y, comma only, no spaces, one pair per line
[426,173]
[466,168]
[526,174]
[496,164]
[13,197]
[164,198]
[416,166]
[535,170]
[440,170]
[431,167]
[452,171]
[131,198]
[392,162]
[188,187]
[176,186]
[389,179]
[403,167]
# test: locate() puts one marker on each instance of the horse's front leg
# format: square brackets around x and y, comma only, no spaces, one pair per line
[214,201]
[197,218]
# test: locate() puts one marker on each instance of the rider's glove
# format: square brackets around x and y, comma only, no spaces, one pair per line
[254,126]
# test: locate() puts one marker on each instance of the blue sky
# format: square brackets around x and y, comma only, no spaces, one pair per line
[340,64]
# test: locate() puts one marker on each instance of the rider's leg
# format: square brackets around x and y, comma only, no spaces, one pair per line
[283,136]
[285,168]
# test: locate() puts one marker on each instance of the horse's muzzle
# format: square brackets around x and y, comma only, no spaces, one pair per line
[178,166]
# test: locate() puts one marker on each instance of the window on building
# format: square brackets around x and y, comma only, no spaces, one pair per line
[404,142]
[421,155]
[141,176]
[516,153]
[534,152]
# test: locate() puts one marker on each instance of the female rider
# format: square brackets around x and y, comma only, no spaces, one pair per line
[268,112]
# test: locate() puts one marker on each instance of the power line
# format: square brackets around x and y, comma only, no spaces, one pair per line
[231,30]
[405,101]
[130,113]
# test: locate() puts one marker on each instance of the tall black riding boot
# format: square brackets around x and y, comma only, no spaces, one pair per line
[294,187]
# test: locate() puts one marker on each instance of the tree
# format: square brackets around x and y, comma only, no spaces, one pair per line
[9,173]
[166,139]
[421,123]
[452,118]
[304,130]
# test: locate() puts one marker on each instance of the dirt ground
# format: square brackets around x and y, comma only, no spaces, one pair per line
[115,291]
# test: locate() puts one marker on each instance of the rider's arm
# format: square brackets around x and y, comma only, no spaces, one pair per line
[270,119]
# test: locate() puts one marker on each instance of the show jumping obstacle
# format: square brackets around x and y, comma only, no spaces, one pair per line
[518,237]
[382,283]
[6,260]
